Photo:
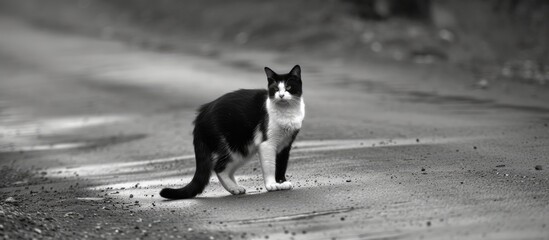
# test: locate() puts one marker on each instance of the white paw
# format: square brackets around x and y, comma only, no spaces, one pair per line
[238,190]
[286,186]
[278,186]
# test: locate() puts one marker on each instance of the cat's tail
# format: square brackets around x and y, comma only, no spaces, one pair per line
[201,176]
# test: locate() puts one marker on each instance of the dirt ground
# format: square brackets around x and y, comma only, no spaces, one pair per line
[91,129]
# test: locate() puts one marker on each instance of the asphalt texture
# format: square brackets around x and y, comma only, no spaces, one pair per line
[91,129]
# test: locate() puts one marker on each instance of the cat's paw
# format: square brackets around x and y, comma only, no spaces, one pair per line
[286,185]
[278,186]
[238,190]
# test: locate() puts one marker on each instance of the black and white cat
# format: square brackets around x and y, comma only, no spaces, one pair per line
[230,131]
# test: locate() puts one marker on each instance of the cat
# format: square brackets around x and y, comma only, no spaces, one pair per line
[232,129]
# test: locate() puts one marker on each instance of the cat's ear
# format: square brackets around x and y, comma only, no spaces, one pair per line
[270,74]
[296,71]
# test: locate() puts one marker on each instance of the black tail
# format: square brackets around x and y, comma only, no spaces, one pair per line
[201,176]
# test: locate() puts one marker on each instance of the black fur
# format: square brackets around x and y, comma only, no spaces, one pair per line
[201,177]
[234,117]
[282,161]
[230,122]
[291,80]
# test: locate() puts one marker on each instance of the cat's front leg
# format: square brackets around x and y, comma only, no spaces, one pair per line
[281,164]
[267,155]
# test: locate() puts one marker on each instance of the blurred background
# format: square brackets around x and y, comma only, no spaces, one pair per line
[495,39]
[425,118]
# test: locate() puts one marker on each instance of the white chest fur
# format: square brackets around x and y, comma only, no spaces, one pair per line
[284,120]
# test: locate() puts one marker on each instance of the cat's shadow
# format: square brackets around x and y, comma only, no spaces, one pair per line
[249,196]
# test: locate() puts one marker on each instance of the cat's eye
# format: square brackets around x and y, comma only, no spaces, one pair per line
[288,87]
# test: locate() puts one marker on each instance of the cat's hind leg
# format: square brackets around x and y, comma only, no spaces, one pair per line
[225,169]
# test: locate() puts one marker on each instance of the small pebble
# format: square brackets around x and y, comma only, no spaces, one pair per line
[538,167]
[131,195]
[10,200]
[348,180]
[428,223]
[70,214]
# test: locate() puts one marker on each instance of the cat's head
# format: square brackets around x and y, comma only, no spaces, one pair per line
[284,88]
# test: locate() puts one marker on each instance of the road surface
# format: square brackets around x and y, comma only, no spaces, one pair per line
[91,129]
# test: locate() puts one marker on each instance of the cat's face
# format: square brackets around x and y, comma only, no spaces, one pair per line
[284,88]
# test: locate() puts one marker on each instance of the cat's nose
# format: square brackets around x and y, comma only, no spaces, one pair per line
[281,95]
